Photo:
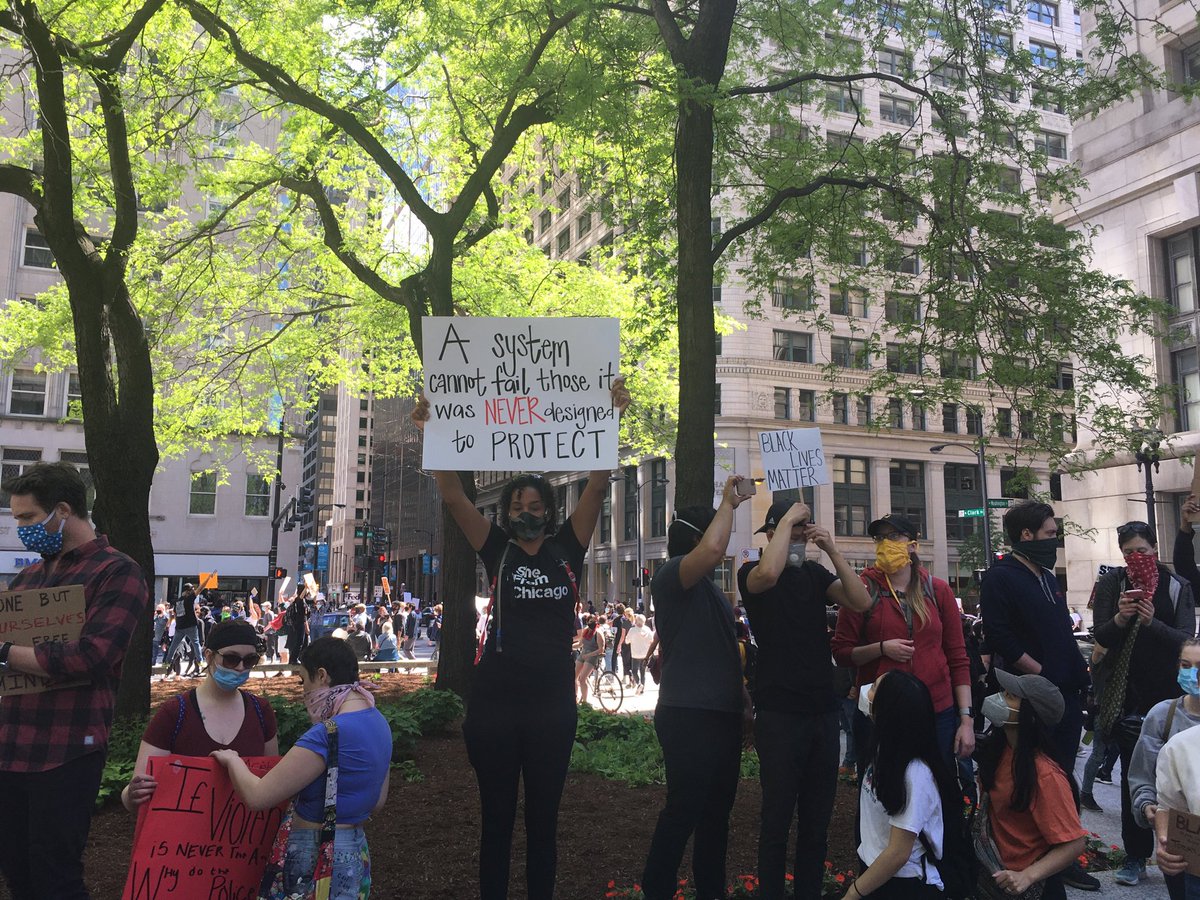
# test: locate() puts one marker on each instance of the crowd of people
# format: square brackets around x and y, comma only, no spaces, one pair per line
[814,648]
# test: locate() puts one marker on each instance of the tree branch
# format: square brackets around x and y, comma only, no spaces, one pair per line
[120,43]
[669,28]
[488,226]
[21,182]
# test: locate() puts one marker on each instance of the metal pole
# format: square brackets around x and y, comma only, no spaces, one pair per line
[1150,515]
[989,557]
[638,533]
[273,554]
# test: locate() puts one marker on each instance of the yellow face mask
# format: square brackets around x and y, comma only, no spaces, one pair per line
[892,556]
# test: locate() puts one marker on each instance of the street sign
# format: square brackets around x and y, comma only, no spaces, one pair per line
[999,503]
[977,513]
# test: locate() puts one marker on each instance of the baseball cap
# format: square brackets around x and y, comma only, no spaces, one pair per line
[775,513]
[902,524]
[1047,700]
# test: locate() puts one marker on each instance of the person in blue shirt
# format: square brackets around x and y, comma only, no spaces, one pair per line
[329,677]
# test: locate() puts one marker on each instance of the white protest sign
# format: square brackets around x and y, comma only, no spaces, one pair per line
[520,394]
[793,458]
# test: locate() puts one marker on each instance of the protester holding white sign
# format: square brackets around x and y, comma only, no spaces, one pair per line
[509,394]
[521,716]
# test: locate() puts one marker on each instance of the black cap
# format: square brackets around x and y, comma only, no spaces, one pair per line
[777,511]
[902,524]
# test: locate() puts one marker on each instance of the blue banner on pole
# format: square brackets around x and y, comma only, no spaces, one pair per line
[437,563]
[323,557]
[426,564]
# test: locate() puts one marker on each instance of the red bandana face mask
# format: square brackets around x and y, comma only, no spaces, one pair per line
[1142,569]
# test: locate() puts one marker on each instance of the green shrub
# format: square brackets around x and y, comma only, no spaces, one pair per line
[433,710]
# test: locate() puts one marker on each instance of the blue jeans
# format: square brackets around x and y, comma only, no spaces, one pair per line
[351,863]
[1191,886]
[846,709]
[1104,756]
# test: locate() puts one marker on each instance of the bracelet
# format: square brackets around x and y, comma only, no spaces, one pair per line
[881,655]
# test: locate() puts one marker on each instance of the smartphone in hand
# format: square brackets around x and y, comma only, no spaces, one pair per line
[746,487]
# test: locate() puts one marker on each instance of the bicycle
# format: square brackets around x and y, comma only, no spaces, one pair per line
[607,689]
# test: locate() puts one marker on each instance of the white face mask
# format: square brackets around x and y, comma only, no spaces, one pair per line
[864,700]
[797,550]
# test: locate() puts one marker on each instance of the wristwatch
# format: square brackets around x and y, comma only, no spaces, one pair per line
[4,648]
[966,711]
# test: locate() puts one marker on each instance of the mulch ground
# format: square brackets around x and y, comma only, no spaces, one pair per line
[425,845]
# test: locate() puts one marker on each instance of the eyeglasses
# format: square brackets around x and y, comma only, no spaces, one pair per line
[1135,528]
[233,661]
[892,536]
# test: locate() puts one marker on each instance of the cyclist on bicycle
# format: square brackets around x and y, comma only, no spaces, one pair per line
[591,652]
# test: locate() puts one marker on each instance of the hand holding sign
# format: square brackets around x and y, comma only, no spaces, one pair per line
[793,459]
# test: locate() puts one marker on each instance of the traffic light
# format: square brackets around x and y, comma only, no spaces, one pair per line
[280,572]
[304,503]
[382,559]
[645,577]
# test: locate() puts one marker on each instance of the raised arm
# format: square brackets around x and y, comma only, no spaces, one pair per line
[708,554]
[765,575]
[475,526]
[587,510]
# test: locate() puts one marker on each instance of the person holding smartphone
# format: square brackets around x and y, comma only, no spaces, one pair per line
[1143,615]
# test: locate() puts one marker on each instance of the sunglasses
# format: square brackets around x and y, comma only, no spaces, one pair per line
[1134,528]
[233,661]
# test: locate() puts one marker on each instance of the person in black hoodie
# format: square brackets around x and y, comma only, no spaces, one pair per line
[1143,614]
[1028,627]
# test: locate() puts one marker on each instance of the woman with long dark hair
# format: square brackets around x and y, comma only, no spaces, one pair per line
[521,713]
[906,791]
[1031,810]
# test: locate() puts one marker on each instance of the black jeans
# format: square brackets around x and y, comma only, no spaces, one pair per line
[509,740]
[1138,841]
[798,763]
[48,815]
[627,660]
[702,752]
[905,889]
[1065,738]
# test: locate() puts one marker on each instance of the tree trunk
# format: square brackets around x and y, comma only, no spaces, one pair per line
[457,658]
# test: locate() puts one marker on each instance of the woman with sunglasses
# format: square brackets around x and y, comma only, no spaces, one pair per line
[214,715]
[521,712]
[913,625]
[1143,614]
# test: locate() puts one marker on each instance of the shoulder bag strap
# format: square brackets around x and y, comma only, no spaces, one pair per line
[1166,734]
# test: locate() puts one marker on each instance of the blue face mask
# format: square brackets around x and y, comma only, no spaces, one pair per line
[229,679]
[1188,681]
[38,540]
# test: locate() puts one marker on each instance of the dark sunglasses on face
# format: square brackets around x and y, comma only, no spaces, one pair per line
[1140,528]
[233,661]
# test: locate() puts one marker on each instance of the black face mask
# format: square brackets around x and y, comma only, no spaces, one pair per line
[1042,553]
[527,526]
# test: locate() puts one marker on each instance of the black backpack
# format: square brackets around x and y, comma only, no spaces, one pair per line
[958,866]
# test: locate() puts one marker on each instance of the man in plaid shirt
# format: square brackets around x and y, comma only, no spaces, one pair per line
[53,744]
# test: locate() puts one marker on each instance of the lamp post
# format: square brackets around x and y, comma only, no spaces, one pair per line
[638,533]
[1149,454]
[981,459]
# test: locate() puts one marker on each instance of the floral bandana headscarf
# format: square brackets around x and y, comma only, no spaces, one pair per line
[324,703]
[1142,569]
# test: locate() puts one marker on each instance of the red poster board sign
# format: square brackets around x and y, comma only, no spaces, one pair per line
[195,840]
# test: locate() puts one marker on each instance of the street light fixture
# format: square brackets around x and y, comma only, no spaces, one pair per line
[613,479]
[1149,453]
[981,459]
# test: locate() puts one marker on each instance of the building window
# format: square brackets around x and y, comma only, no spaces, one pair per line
[606,520]
[997,42]
[563,242]
[843,99]
[1187,384]
[1052,144]
[1044,55]
[1048,99]
[894,62]
[717,401]
[15,462]
[716,294]
[891,15]
[919,418]
[203,498]
[74,407]
[896,110]
[974,420]
[718,342]
[1045,13]
[28,394]
[902,308]
[37,251]
[545,218]
[904,260]
[79,459]
[950,418]
[849,353]
[658,497]
[564,199]
[583,224]
[1181,271]
[847,301]
[841,409]
[903,359]
[806,406]
[863,411]
[791,293]
[895,412]
[258,495]
[851,496]
[783,403]
[1004,423]
[793,346]
[958,365]
[961,482]
[631,502]
[1015,483]
[948,75]
[908,490]
[1190,64]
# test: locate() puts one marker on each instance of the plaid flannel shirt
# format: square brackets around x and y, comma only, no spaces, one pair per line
[42,731]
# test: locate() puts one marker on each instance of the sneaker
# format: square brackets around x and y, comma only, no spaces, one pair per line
[1104,777]
[1075,877]
[1131,873]
[1087,801]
